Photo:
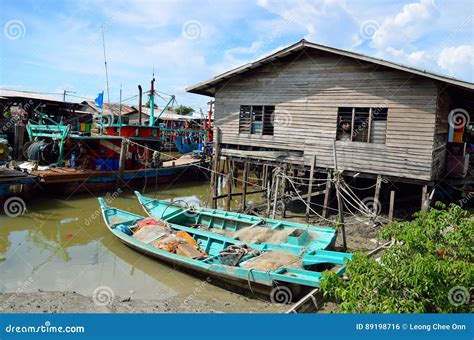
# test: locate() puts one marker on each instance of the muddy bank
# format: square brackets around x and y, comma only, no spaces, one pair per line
[70,302]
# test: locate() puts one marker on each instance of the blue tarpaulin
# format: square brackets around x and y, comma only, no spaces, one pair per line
[99,101]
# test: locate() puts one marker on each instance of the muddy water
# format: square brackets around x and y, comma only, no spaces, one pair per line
[63,245]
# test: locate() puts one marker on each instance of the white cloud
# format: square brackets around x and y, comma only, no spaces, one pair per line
[325,21]
[419,59]
[407,26]
[458,61]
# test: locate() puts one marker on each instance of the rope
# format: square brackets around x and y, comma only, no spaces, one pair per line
[197,165]
[301,198]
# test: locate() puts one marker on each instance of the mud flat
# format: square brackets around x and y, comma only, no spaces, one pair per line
[71,302]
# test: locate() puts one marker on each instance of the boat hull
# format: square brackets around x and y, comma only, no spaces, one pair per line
[257,280]
[321,237]
[107,182]
[227,282]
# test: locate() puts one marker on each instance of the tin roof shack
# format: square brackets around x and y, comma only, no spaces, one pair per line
[17,108]
[110,110]
[387,120]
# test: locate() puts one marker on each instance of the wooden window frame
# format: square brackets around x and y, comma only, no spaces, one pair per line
[369,127]
[263,128]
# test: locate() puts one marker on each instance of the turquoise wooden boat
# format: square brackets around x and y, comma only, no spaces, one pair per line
[240,226]
[224,263]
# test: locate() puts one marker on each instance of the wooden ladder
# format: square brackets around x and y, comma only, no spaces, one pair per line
[311,302]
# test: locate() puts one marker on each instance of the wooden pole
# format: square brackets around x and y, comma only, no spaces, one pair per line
[285,185]
[123,154]
[18,141]
[339,198]
[424,198]
[264,176]
[122,161]
[244,185]
[310,185]
[235,175]
[327,192]
[378,185]
[341,213]
[215,187]
[269,194]
[275,199]
[230,180]
[392,203]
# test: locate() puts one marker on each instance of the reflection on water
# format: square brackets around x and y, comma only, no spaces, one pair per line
[63,245]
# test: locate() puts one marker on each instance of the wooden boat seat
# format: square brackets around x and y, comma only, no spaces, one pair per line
[299,275]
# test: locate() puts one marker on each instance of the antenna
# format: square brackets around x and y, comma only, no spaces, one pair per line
[105,62]
[65,92]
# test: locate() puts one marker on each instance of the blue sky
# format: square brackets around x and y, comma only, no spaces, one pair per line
[50,46]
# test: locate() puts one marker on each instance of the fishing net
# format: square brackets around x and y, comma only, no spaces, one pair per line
[149,233]
[272,260]
[262,235]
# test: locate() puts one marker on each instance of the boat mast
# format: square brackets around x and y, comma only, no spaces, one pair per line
[105,63]
[152,101]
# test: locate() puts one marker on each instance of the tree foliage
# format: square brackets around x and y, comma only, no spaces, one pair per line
[429,268]
[183,110]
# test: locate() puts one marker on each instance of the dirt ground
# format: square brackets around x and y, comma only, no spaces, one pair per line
[70,302]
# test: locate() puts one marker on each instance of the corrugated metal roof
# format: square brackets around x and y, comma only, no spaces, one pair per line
[207,87]
[111,108]
[26,94]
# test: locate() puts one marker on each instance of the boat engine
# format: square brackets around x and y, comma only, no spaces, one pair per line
[5,151]
[43,153]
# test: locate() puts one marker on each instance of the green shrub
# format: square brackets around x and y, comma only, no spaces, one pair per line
[429,268]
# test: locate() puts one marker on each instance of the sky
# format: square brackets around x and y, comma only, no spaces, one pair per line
[51,46]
